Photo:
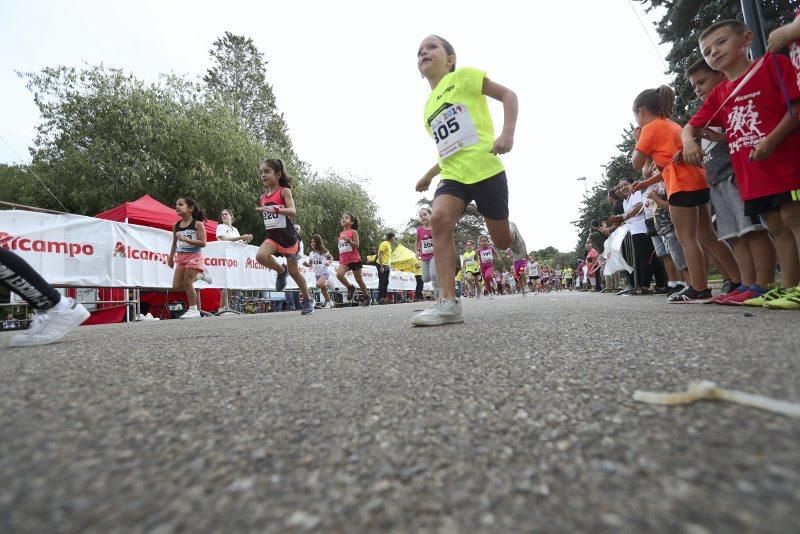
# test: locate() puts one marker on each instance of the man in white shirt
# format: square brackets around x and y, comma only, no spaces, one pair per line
[634,216]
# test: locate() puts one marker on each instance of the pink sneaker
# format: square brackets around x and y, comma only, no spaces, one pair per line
[723,297]
[737,298]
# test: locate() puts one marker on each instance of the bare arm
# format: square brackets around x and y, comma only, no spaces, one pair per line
[784,35]
[425,181]
[505,142]
[692,153]
[768,145]
[201,237]
[638,160]
[354,241]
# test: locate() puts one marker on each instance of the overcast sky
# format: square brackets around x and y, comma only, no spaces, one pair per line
[345,76]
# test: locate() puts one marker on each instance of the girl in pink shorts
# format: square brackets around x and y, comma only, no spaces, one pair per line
[486,254]
[186,256]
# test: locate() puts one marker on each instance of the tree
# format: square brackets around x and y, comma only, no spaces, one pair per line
[106,137]
[326,198]
[682,23]
[238,78]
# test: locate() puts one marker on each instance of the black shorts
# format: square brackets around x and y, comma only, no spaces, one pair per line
[761,205]
[490,195]
[690,199]
[355,266]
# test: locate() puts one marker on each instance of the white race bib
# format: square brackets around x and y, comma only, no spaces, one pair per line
[274,220]
[426,246]
[344,246]
[453,130]
[486,256]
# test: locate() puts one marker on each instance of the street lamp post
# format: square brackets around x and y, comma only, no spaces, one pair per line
[585,186]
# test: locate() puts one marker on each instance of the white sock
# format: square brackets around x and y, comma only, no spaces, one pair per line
[193,308]
[63,305]
[672,283]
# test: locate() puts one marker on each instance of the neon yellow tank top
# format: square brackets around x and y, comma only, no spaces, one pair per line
[457,117]
[470,264]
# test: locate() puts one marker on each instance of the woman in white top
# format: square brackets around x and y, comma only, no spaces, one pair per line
[227,232]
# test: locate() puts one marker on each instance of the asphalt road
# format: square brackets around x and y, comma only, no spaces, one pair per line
[351,420]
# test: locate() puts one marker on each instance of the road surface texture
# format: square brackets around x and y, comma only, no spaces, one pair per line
[351,420]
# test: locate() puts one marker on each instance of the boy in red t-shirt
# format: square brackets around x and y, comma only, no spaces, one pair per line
[763,138]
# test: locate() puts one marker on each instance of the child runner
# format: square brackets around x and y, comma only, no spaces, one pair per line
[486,254]
[752,245]
[55,315]
[469,265]
[425,248]
[350,258]
[457,117]
[763,138]
[319,260]
[533,272]
[277,205]
[188,240]
[658,138]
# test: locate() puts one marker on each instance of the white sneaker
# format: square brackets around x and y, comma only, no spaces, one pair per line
[51,326]
[518,249]
[191,314]
[204,276]
[328,305]
[445,311]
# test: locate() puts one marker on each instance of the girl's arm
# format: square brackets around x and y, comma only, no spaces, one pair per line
[419,246]
[171,258]
[288,201]
[354,241]
[425,181]
[505,142]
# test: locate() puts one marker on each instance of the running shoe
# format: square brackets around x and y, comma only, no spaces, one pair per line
[690,296]
[743,293]
[722,297]
[50,326]
[662,291]
[626,290]
[306,307]
[518,249]
[365,300]
[773,294]
[789,301]
[191,314]
[677,288]
[728,287]
[328,305]
[351,291]
[445,311]
[280,281]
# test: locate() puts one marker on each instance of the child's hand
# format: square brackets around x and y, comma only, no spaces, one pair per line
[637,132]
[693,154]
[423,184]
[763,150]
[653,194]
[778,39]
[170,262]
[247,238]
[503,144]
[636,186]
[180,238]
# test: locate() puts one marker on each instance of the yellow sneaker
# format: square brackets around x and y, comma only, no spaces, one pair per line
[789,301]
[769,296]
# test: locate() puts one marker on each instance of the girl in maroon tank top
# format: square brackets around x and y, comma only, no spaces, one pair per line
[350,258]
[277,205]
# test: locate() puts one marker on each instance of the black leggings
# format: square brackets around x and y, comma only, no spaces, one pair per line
[383,282]
[643,248]
[418,290]
[19,277]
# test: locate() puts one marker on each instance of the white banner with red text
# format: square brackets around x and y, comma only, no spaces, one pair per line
[74,250]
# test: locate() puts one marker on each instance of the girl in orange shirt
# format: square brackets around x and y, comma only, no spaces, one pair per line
[658,139]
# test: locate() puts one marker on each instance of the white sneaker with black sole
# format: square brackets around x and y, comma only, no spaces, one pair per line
[52,325]
[445,311]
[191,314]
[690,296]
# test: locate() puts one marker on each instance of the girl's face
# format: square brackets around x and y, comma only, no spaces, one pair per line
[226,217]
[425,217]
[268,176]
[315,245]
[469,246]
[346,220]
[483,242]
[432,59]
[181,207]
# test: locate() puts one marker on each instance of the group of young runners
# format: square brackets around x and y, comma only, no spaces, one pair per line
[757,104]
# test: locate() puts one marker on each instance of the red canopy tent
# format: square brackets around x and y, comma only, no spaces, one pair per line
[147,211]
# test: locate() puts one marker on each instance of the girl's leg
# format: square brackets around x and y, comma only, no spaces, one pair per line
[340,272]
[762,251]
[265,257]
[361,284]
[785,246]
[500,232]
[177,279]
[447,210]
[686,222]
[669,266]
[744,259]
[189,276]
[294,272]
[790,214]
[322,285]
[719,250]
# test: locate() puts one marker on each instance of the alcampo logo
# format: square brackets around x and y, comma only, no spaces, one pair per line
[121,250]
[25,244]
